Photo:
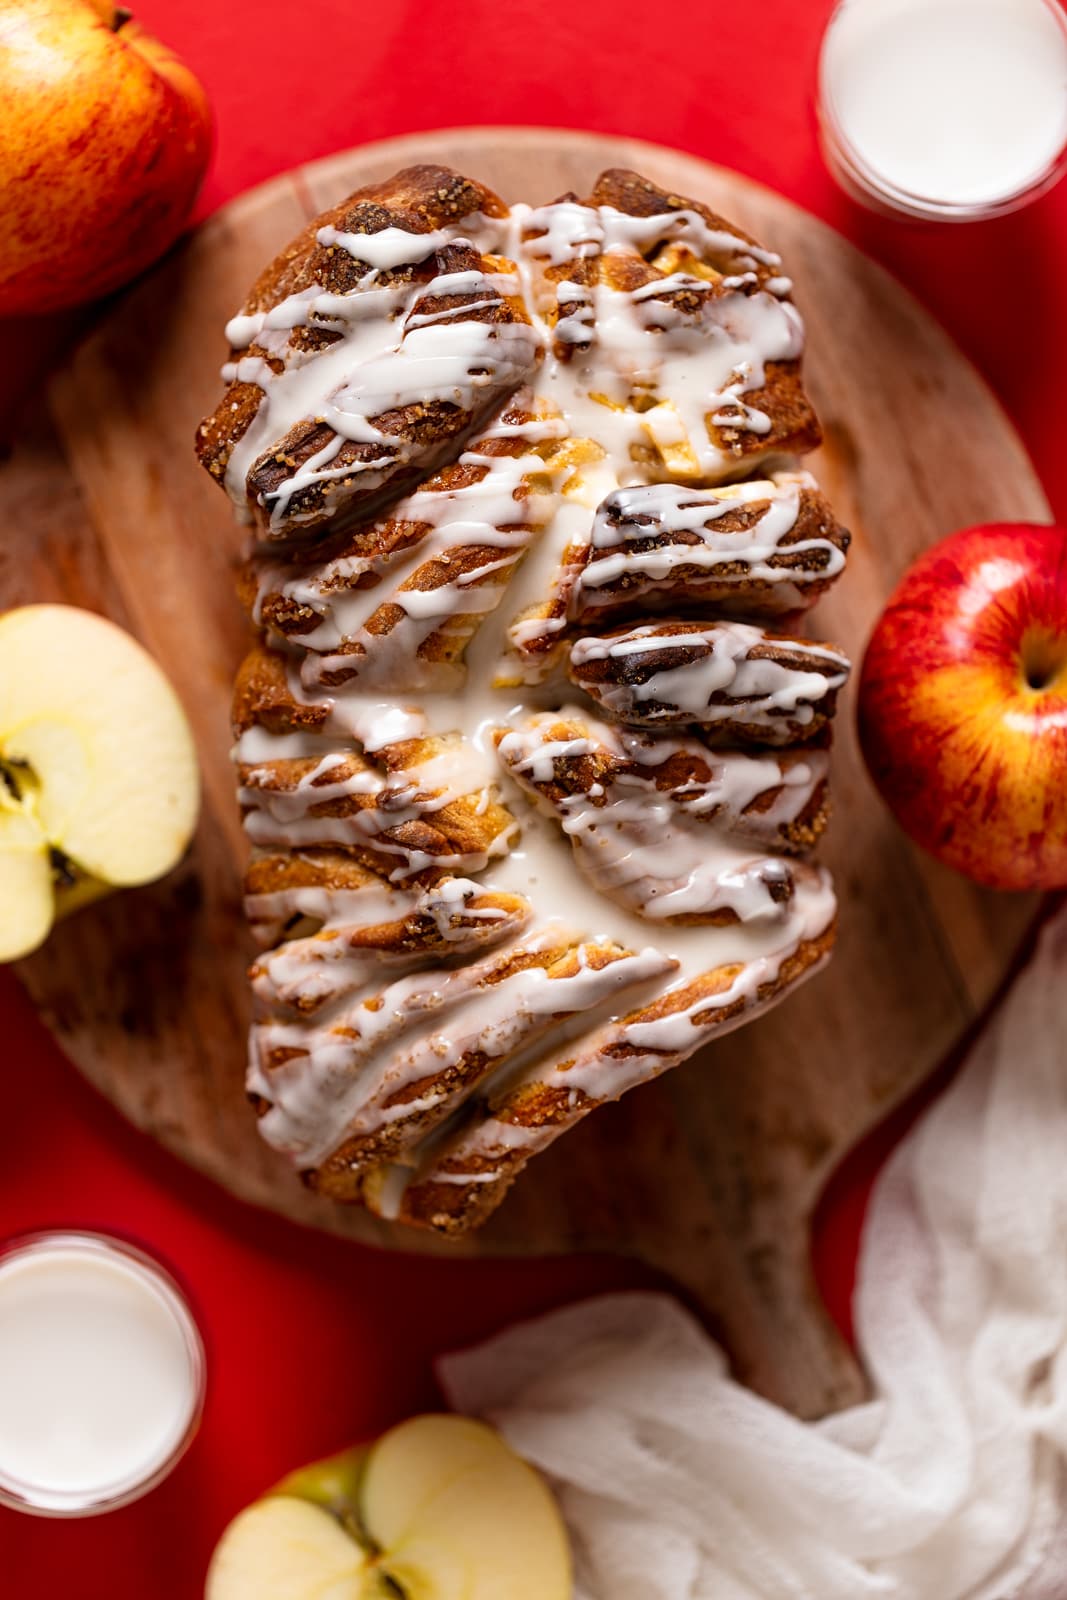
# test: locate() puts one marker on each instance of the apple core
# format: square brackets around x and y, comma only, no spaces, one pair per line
[1044,661]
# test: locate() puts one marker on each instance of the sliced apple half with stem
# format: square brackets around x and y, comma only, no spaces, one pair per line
[439,1509]
[99,786]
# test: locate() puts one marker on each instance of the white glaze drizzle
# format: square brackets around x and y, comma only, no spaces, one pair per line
[375,804]
[680,367]
[271,912]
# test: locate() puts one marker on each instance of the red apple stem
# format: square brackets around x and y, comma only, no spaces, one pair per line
[120,18]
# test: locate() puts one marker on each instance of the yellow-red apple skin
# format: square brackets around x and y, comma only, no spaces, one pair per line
[969,756]
[104,139]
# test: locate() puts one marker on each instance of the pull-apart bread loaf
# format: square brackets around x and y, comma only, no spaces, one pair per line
[531,760]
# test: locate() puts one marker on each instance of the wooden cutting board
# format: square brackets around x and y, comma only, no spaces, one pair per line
[712,1173]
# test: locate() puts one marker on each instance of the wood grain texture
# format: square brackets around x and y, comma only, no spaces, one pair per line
[712,1173]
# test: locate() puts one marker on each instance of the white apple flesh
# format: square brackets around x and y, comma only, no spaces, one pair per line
[440,1509]
[97,759]
[287,1549]
[26,901]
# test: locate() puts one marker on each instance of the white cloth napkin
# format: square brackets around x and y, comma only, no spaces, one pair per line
[677,1484]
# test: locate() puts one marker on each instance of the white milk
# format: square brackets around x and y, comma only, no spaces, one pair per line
[960,103]
[100,1374]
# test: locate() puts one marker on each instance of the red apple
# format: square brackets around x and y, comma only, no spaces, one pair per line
[963,704]
[104,138]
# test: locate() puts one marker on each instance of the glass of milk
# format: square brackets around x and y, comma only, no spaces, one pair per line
[101,1374]
[949,110]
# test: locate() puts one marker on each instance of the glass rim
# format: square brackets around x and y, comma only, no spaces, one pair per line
[874,186]
[20,1495]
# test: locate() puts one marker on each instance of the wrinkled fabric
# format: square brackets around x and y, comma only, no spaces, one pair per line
[678,1484]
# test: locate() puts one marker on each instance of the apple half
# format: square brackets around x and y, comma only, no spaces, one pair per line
[99,785]
[439,1509]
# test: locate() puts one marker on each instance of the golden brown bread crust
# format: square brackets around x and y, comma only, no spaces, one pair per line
[286,896]
[391,825]
[287,892]
[794,426]
[422,200]
[447,918]
[315,867]
[263,697]
[418,199]
[423,430]
[626,190]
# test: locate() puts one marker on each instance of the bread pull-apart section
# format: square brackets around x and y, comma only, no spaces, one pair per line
[396,1058]
[396,603]
[668,828]
[442,920]
[764,547]
[571,762]
[452,1184]
[735,681]
[291,894]
[368,351]
[407,803]
[523,488]
[677,324]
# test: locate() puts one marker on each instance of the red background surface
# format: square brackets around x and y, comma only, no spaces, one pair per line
[313,1343]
